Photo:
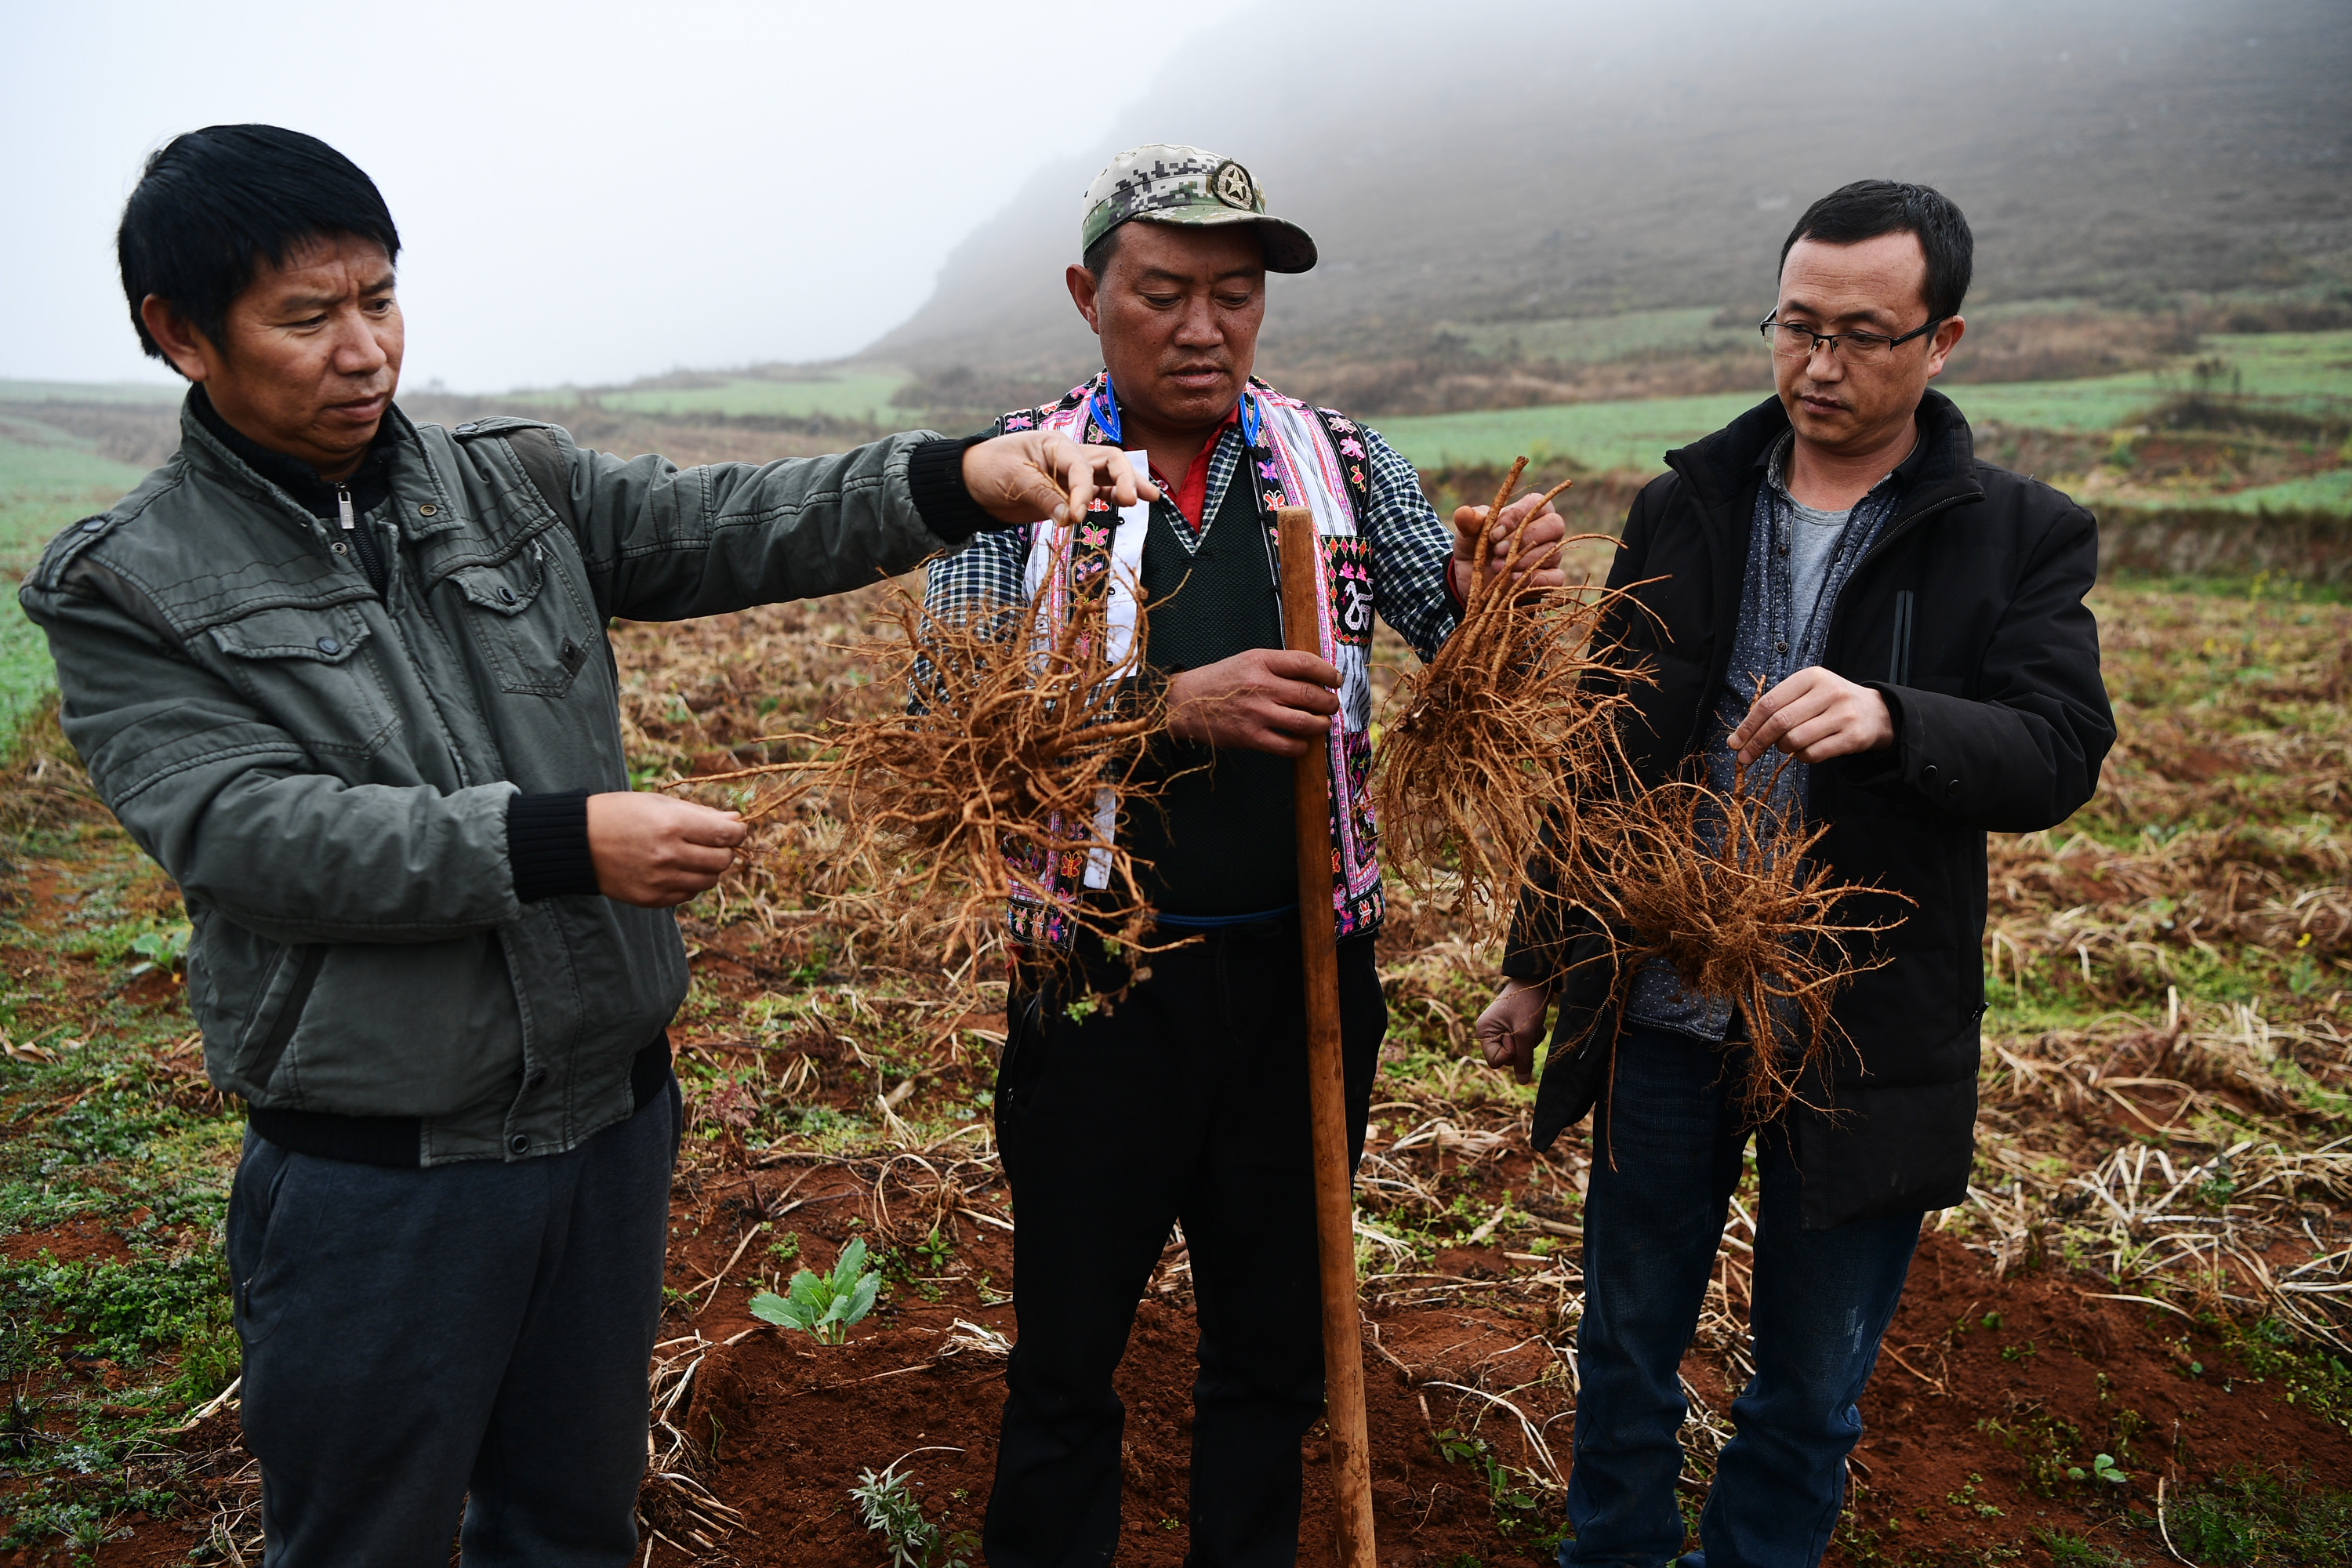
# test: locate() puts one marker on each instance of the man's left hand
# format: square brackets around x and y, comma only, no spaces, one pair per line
[1512,1025]
[1033,475]
[1813,716]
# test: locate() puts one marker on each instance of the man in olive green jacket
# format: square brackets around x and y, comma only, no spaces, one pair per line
[347,680]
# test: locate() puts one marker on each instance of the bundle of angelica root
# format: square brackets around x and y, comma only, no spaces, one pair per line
[1501,755]
[1500,734]
[1010,766]
[1721,886]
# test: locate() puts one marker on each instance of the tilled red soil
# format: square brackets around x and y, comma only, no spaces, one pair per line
[785,1427]
[794,1424]
[1983,1382]
[1960,1412]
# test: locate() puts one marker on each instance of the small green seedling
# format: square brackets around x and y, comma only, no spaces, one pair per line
[886,1505]
[2103,1469]
[824,1305]
[166,949]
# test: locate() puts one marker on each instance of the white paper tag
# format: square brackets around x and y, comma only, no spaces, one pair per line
[1126,581]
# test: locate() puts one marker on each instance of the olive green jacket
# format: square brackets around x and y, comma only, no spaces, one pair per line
[326,773]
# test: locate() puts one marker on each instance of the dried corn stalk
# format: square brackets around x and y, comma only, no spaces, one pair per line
[1499,735]
[1721,886]
[1003,782]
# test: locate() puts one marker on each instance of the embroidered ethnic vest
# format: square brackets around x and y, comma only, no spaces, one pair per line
[1298,456]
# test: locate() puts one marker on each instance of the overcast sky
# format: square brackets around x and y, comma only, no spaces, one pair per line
[586,192]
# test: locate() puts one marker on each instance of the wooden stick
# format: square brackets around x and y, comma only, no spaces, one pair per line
[1334,1206]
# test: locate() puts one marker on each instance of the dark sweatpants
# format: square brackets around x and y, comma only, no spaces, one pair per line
[1186,1100]
[470,1336]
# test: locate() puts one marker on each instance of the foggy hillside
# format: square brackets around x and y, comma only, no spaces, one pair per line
[1564,160]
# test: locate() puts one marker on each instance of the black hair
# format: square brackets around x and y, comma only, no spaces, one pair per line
[213,203]
[1868,208]
[1097,261]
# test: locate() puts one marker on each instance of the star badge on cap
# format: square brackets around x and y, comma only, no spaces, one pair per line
[1232,185]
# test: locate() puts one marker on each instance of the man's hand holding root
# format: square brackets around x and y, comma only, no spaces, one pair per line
[1035,476]
[653,851]
[1538,565]
[1512,1025]
[1813,716]
[1266,700]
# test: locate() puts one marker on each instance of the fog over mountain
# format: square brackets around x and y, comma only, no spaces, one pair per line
[1498,163]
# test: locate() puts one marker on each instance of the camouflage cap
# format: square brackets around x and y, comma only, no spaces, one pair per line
[1187,185]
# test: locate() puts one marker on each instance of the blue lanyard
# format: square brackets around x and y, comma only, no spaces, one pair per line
[1105,403]
[1106,411]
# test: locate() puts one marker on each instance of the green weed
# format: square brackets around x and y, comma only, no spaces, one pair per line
[2313,1379]
[1515,1507]
[2072,1552]
[2247,1517]
[886,1505]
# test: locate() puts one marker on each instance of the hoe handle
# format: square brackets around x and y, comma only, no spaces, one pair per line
[1334,1206]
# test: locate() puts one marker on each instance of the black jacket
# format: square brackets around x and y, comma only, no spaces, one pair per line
[1968,615]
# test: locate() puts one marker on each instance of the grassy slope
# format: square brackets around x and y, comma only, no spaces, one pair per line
[47,479]
[2306,372]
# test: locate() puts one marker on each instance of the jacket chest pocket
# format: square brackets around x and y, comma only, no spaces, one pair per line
[531,623]
[313,672]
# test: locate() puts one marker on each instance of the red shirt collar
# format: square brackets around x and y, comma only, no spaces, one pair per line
[1191,494]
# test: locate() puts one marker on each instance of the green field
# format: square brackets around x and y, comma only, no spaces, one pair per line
[2308,373]
[2330,491]
[92,391]
[1587,339]
[47,479]
[1598,435]
[860,395]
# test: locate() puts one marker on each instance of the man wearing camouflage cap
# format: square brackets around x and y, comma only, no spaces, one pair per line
[1186,1104]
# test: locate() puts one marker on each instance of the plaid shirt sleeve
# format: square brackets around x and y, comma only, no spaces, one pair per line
[982,578]
[1409,548]
[985,574]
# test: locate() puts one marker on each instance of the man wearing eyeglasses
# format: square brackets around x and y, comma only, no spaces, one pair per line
[1913,619]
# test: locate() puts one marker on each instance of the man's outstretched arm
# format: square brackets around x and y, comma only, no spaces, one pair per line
[663,543]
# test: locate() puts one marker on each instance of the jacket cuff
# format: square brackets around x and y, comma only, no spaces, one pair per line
[547,845]
[935,474]
[1915,762]
[1528,967]
[1877,770]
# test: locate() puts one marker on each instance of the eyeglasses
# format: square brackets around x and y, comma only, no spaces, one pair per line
[1790,341]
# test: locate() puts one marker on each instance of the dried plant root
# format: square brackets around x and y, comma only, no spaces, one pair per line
[1721,886]
[999,773]
[1499,735]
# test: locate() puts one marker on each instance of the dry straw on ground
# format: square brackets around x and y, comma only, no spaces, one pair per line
[1499,735]
[940,813]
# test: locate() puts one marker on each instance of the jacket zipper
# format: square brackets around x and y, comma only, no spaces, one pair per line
[1901,527]
[343,506]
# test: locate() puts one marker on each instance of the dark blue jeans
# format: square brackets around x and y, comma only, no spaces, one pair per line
[1823,1298]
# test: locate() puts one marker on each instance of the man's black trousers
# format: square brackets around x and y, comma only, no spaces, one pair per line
[469,1338]
[1186,1100]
